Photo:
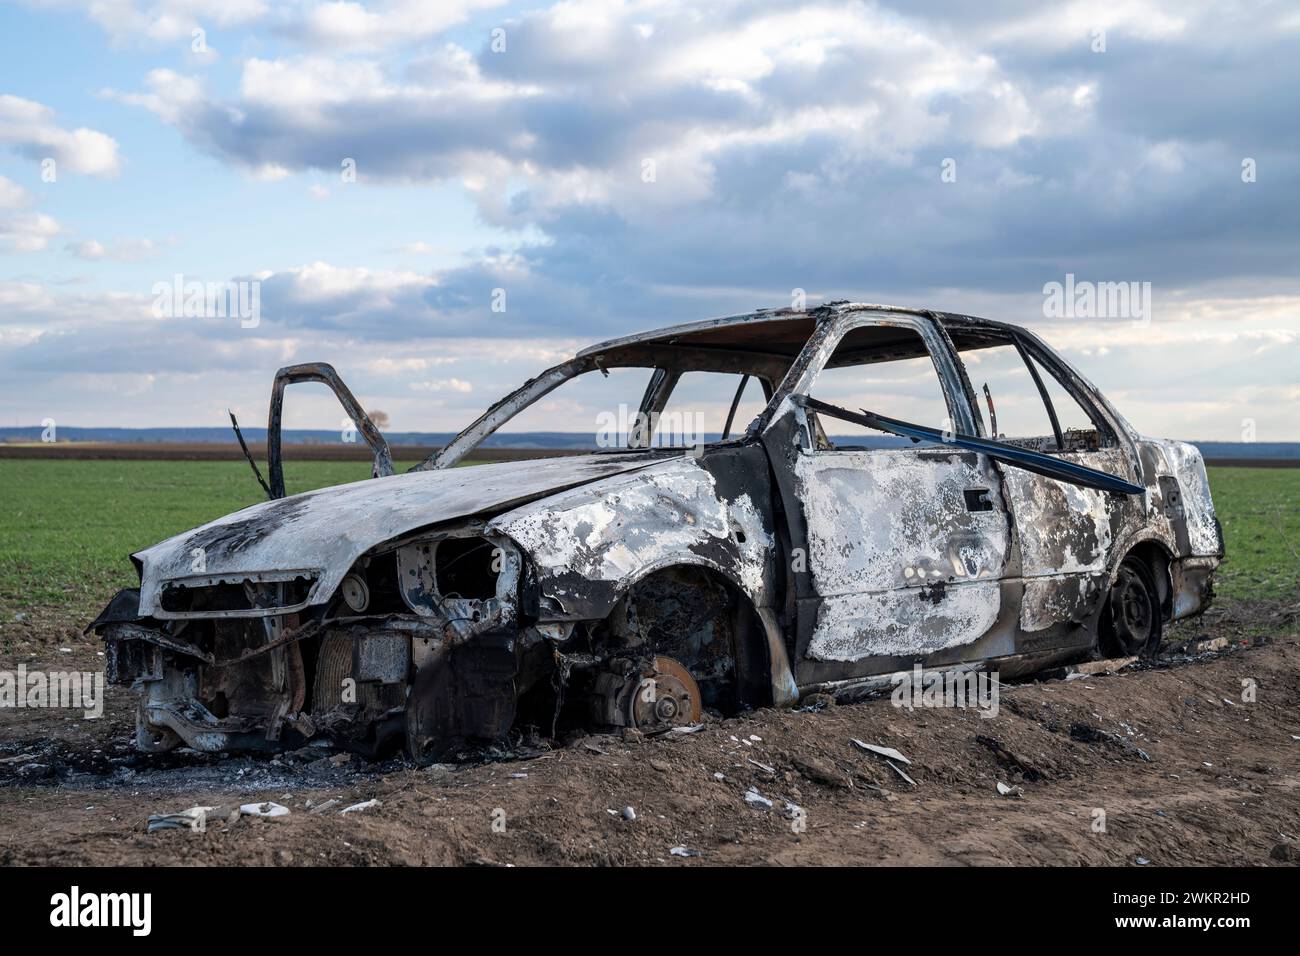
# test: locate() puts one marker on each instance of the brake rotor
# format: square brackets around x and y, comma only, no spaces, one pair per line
[668,697]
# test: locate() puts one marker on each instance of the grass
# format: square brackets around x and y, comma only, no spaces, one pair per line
[67,527]
[1259,509]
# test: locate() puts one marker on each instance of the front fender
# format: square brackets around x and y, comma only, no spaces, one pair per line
[588,545]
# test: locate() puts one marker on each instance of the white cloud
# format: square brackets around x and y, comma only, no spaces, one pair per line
[13,196]
[337,24]
[122,250]
[21,229]
[793,145]
[27,232]
[377,26]
[29,128]
[691,91]
[137,22]
[442,385]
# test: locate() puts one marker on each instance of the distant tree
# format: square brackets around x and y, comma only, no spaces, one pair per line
[380,418]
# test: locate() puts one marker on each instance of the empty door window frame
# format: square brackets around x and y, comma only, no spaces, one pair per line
[1027,349]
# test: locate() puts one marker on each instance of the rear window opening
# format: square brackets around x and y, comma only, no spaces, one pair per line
[1021,400]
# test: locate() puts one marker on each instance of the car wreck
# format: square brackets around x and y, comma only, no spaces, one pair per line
[845,532]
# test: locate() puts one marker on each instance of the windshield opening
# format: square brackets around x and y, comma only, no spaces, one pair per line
[676,400]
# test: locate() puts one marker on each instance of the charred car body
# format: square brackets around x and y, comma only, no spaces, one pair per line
[638,585]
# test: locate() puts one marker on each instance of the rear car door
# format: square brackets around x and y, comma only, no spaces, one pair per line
[1065,532]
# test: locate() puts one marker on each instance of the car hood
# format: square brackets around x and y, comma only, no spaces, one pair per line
[324,532]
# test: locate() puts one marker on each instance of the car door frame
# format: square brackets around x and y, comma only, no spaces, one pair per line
[788,434]
[1056,606]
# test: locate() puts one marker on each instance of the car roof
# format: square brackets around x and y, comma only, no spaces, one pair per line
[773,331]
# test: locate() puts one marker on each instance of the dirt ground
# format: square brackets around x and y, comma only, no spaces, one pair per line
[1173,761]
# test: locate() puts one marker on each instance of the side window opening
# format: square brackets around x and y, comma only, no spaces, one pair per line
[1008,396]
[886,370]
[1013,406]
[700,403]
[1078,429]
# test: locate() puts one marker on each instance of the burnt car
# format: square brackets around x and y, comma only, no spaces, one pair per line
[857,507]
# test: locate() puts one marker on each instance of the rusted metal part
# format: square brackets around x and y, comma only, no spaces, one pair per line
[325,374]
[748,571]
[125,632]
[654,698]
[248,455]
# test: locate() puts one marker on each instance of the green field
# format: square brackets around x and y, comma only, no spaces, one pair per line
[67,527]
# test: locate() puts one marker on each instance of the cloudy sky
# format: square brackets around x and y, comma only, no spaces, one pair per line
[381,168]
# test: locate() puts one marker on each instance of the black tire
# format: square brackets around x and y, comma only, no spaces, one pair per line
[1130,621]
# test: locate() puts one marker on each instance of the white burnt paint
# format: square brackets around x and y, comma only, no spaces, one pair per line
[327,530]
[1188,466]
[616,529]
[900,562]
[903,621]
[1062,528]
[1054,599]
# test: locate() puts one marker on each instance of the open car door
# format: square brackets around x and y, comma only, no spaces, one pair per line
[325,375]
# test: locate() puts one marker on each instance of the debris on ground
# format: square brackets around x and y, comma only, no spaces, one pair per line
[899,770]
[1088,734]
[1009,760]
[1097,668]
[195,818]
[267,809]
[441,816]
[815,702]
[683,851]
[358,807]
[1285,853]
[756,800]
[820,771]
[889,753]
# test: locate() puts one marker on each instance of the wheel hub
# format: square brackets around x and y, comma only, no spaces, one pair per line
[665,698]
[653,697]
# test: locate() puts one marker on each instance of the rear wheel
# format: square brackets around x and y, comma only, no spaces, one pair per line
[1130,622]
